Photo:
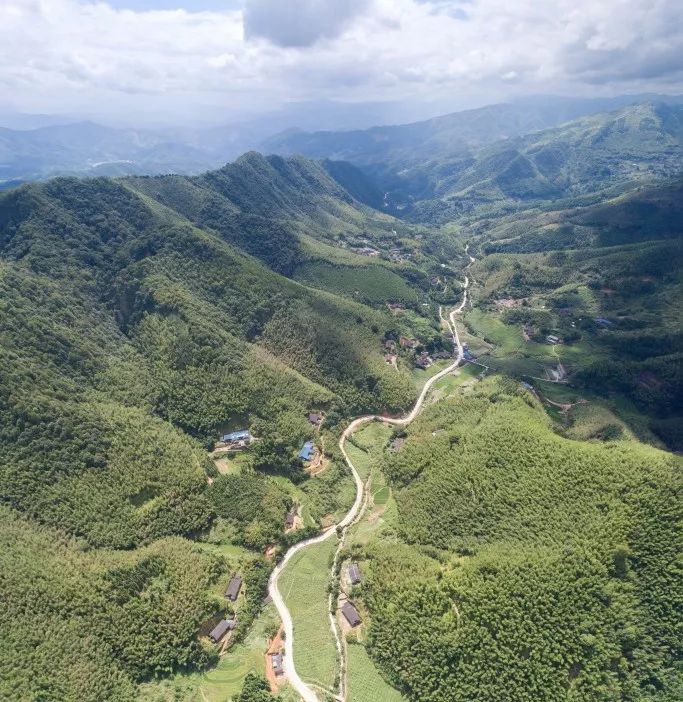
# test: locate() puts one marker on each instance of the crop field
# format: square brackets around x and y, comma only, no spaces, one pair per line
[367,442]
[422,375]
[225,680]
[373,284]
[450,383]
[303,585]
[365,684]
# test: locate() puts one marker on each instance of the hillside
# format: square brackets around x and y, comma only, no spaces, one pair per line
[131,337]
[407,145]
[539,567]
[473,177]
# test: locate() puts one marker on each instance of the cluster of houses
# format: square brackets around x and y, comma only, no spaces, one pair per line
[224,626]
[366,251]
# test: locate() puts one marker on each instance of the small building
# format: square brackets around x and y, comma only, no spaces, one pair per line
[527,386]
[396,443]
[552,339]
[390,345]
[605,323]
[290,519]
[277,662]
[407,343]
[306,453]
[354,574]
[221,629]
[351,614]
[241,435]
[439,355]
[315,418]
[467,355]
[234,587]
[424,360]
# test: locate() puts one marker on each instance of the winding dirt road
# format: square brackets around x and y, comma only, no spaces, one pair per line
[307,694]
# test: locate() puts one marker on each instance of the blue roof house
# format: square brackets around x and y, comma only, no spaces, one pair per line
[306,452]
[241,435]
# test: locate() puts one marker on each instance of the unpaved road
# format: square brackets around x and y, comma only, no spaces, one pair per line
[306,692]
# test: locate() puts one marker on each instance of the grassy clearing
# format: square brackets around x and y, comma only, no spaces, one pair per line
[225,680]
[450,383]
[303,585]
[231,463]
[365,684]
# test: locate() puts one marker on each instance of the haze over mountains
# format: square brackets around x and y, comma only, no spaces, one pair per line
[86,148]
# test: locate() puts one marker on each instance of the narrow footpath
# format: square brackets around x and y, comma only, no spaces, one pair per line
[306,692]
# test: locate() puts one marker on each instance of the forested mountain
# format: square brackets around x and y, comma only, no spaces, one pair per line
[130,337]
[539,567]
[407,145]
[435,184]
[525,536]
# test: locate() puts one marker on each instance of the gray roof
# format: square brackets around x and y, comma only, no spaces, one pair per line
[351,614]
[234,587]
[219,631]
[354,574]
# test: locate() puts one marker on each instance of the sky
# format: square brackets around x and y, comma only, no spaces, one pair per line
[220,61]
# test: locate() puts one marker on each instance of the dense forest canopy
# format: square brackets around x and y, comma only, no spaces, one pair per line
[522,555]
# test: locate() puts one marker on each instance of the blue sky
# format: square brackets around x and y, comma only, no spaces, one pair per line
[225,60]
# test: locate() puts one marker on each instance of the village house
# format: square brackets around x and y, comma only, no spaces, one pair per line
[221,629]
[351,614]
[354,574]
[367,251]
[424,360]
[315,419]
[237,440]
[290,519]
[395,306]
[390,345]
[306,453]
[407,343]
[552,339]
[234,587]
[439,355]
[396,443]
[277,662]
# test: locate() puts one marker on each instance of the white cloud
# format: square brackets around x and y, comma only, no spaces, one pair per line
[66,55]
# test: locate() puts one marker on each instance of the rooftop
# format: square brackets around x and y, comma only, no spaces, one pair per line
[306,452]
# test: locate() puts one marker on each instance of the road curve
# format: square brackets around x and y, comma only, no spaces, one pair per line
[307,694]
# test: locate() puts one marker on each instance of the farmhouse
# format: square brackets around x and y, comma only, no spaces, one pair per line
[396,443]
[604,323]
[552,339]
[354,574]
[351,614]
[277,661]
[306,452]
[241,435]
[424,360]
[407,343]
[290,519]
[315,419]
[221,629]
[234,587]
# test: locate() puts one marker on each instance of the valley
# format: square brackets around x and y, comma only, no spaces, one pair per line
[260,377]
